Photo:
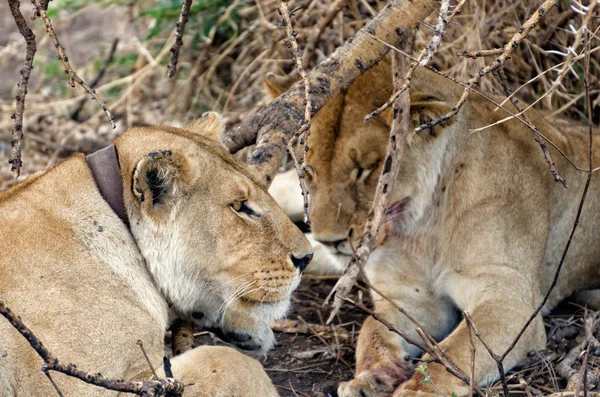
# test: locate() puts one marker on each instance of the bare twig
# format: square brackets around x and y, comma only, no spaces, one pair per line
[424,57]
[99,75]
[272,132]
[385,186]
[473,353]
[509,49]
[180,26]
[17,132]
[141,345]
[302,134]
[480,53]
[73,77]
[168,387]
[536,133]
[590,172]
[495,357]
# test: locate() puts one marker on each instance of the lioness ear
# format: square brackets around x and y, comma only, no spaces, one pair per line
[159,177]
[210,125]
[277,85]
[425,108]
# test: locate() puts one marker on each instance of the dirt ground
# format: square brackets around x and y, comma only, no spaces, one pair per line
[312,362]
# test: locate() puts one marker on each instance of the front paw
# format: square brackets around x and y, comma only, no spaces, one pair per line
[375,382]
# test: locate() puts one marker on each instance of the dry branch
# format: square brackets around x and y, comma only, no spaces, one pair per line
[73,77]
[99,75]
[424,57]
[180,26]
[301,135]
[385,186]
[509,49]
[536,133]
[17,132]
[168,387]
[272,126]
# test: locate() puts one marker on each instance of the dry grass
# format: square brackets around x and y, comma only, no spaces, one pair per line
[224,70]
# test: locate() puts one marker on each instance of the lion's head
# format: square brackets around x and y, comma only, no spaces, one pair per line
[217,245]
[346,154]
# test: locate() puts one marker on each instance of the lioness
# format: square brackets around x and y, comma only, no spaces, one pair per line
[476,223]
[204,239]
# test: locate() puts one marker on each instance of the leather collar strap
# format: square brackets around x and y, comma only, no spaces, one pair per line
[104,165]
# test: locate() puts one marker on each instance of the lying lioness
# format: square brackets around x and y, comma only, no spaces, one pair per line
[476,223]
[197,234]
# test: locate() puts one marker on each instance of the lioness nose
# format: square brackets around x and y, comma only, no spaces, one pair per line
[302,262]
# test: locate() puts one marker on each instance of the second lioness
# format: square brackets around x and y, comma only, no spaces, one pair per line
[476,223]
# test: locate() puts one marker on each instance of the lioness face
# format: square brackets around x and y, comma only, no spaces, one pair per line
[217,245]
[346,155]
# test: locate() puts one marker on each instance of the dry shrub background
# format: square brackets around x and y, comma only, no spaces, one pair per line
[229,45]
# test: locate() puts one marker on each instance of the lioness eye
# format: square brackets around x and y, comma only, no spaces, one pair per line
[241,206]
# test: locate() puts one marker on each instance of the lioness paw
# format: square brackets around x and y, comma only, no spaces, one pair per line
[379,383]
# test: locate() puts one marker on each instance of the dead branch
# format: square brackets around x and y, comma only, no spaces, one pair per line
[589,172]
[180,26]
[271,131]
[499,360]
[99,75]
[73,77]
[509,49]
[480,53]
[473,353]
[391,167]
[17,132]
[168,387]
[182,336]
[428,344]
[301,135]
[424,57]
[536,133]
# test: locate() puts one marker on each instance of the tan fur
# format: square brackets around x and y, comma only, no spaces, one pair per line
[89,289]
[482,231]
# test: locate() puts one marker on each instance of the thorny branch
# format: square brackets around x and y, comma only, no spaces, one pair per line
[536,133]
[17,132]
[99,75]
[168,387]
[73,77]
[424,57]
[302,134]
[389,173]
[271,132]
[509,49]
[180,26]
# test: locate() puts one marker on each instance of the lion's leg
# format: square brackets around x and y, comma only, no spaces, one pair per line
[380,364]
[498,315]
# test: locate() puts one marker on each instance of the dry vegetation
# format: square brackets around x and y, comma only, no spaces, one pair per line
[229,45]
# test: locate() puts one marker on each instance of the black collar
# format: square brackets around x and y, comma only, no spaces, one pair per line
[105,168]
